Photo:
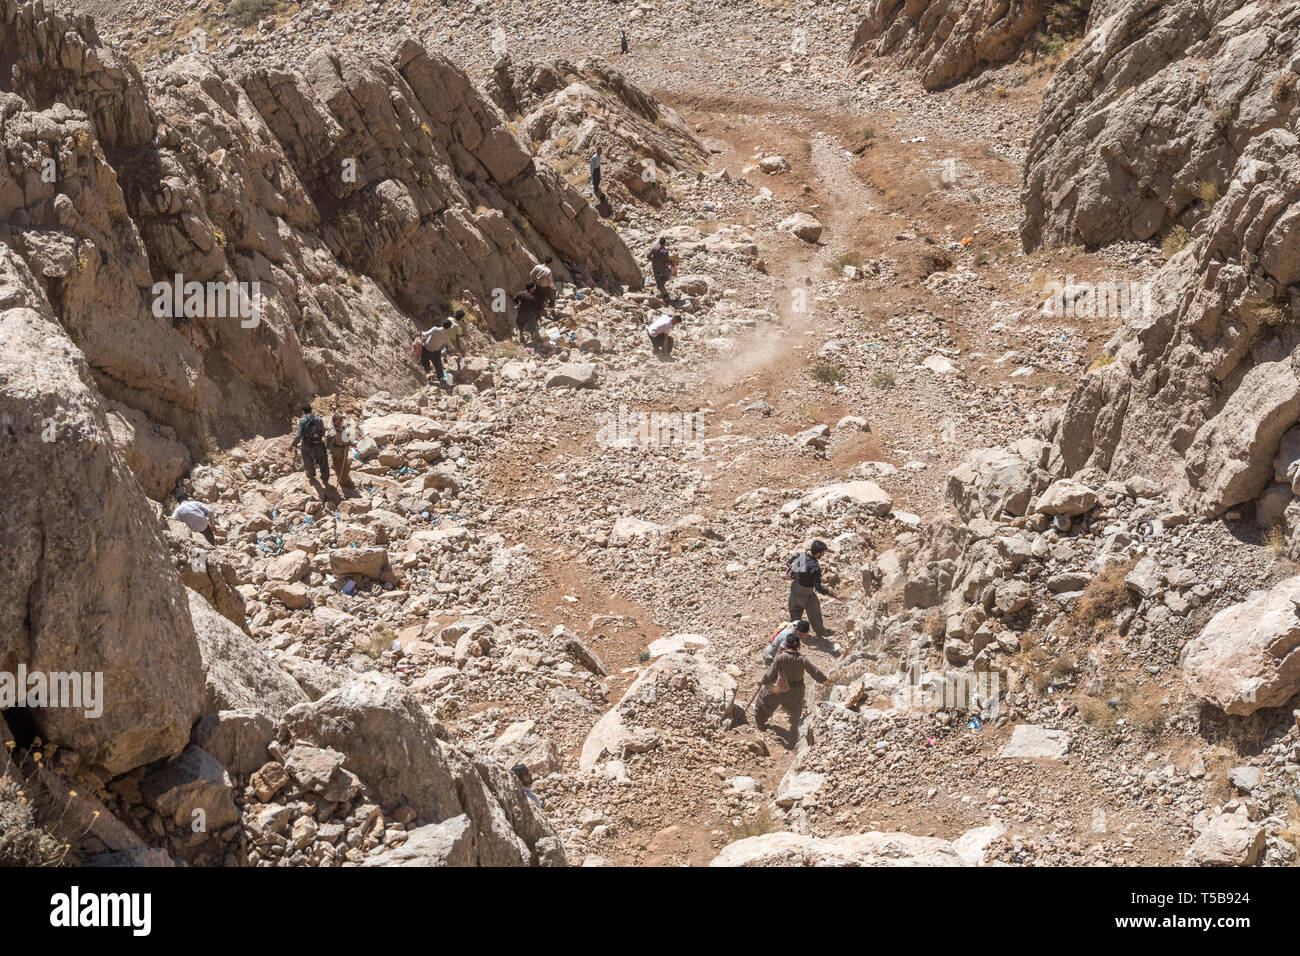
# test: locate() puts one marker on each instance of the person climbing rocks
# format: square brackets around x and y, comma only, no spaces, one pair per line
[594,164]
[528,304]
[622,42]
[782,685]
[196,515]
[526,778]
[799,628]
[660,340]
[433,342]
[455,326]
[311,434]
[661,264]
[339,441]
[805,575]
[544,279]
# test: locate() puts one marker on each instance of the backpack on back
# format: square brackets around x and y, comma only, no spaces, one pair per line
[772,648]
[313,433]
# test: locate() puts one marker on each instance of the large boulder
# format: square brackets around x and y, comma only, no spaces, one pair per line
[86,584]
[390,744]
[1248,655]
[863,849]
[678,688]
[237,673]
[994,482]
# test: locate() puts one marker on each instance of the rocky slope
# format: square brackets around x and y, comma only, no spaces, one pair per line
[945,42]
[360,194]
[1142,126]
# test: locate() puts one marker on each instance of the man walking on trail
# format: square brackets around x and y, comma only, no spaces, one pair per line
[529,306]
[311,434]
[196,516]
[339,441]
[434,341]
[805,574]
[659,338]
[782,685]
[594,164]
[661,264]
[622,42]
[544,279]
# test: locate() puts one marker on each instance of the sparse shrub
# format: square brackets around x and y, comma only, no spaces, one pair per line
[1141,706]
[1266,312]
[1275,541]
[883,379]
[826,373]
[23,842]
[1223,120]
[1284,86]
[643,657]
[762,823]
[219,234]
[246,13]
[1001,92]
[1175,241]
[424,178]
[374,645]
[1209,194]
[866,134]
[1102,599]
[1101,361]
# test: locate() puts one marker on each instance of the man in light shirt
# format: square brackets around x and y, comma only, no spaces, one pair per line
[195,515]
[434,341]
[659,338]
[545,280]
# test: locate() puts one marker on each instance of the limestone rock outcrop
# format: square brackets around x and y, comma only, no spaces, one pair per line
[946,41]
[1141,127]
[570,110]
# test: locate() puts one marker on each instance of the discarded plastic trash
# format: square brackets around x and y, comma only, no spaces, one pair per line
[974,723]
[350,587]
[914,139]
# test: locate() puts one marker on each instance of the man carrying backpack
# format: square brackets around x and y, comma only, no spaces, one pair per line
[311,433]
[782,685]
[798,628]
[805,576]
[528,305]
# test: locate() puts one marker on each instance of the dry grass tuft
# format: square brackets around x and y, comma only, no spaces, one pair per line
[1104,597]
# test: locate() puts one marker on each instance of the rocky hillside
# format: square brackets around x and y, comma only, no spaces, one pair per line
[360,193]
[1062,536]
[949,41]
[1142,127]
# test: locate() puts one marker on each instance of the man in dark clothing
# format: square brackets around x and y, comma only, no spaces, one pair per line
[622,40]
[311,433]
[529,304]
[805,575]
[661,264]
[593,163]
[789,668]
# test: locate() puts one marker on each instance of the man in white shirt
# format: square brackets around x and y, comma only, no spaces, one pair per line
[434,341]
[195,515]
[545,280]
[659,338]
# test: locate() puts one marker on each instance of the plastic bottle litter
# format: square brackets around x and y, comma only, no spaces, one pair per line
[974,723]
[350,587]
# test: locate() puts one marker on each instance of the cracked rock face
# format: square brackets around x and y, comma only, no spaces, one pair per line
[1141,127]
[947,41]
[348,198]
